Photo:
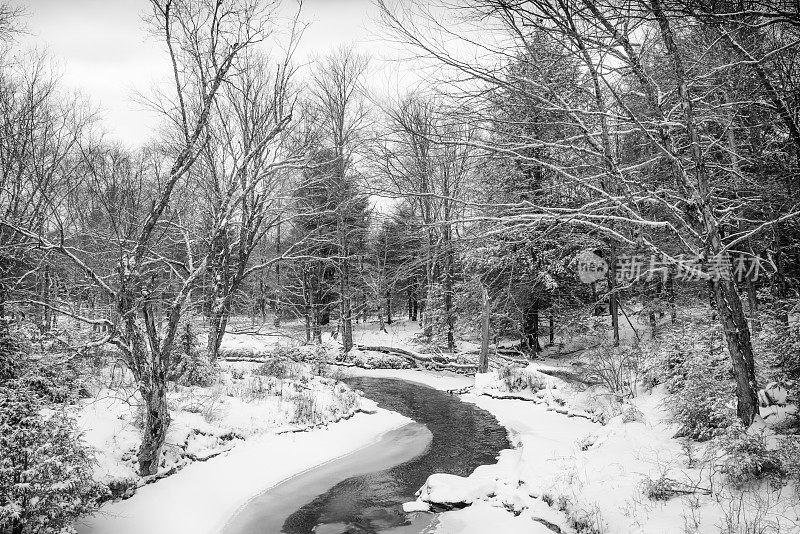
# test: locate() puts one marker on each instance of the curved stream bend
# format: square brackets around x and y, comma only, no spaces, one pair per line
[363,492]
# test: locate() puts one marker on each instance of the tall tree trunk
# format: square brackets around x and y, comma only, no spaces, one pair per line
[530,327]
[364,306]
[779,281]
[535,333]
[346,308]
[316,325]
[552,327]
[483,361]
[276,321]
[737,336]
[218,322]
[213,342]
[671,297]
[651,313]
[149,367]
[381,322]
[448,300]
[43,276]
[613,303]
[388,306]
[728,303]
[307,317]
[430,277]
[306,302]
[156,422]
[752,306]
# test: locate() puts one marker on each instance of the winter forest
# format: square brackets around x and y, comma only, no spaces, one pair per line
[549,285]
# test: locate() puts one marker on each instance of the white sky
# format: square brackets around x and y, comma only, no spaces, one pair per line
[103,49]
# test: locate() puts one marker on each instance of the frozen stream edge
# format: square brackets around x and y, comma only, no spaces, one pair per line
[202,498]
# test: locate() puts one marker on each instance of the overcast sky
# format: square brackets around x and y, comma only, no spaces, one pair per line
[104,50]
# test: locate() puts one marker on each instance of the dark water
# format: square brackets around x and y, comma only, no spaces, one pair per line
[464,437]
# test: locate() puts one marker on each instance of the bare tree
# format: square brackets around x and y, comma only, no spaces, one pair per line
[9,15]
[338,94]
[244,166]
[426,157]
[40,131]
[663,198]
[203,40]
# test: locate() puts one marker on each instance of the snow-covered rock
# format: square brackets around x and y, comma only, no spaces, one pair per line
[416,506]
[446,492]
[773,394]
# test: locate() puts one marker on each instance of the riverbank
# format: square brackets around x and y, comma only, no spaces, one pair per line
[201,498]
[535,431]
[569,474]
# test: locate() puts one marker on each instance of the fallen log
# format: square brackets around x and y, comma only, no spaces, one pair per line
[439,362]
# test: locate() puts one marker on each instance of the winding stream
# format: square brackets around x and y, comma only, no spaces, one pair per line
[363,492]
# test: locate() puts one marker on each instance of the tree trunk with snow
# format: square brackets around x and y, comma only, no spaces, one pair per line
[483,361]
[728,303]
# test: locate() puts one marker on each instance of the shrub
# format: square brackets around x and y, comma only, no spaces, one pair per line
[632,414]
[788,454]
[300,354]
[259,387]
[662,488]
[55,378]
[242,353]
[745,456]
[11,350]
[345,400]
[190,367]
[121,488]
[518,379]
[618,369]
[306,410]
[319,368]
[45,472]
[698,376]
[195,371]
[693,339]
[701,391]
[278,368]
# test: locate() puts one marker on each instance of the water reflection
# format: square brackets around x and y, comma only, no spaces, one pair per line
[464,437]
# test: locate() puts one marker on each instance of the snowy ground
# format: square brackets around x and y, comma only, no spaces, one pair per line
[202,497]
[569,471]
[253,427]
[241,404]
[583,462]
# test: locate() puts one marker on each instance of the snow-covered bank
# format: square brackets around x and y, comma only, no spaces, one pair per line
[571,474]
[202,497]
[537,432]
[242,401]
[444,381]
